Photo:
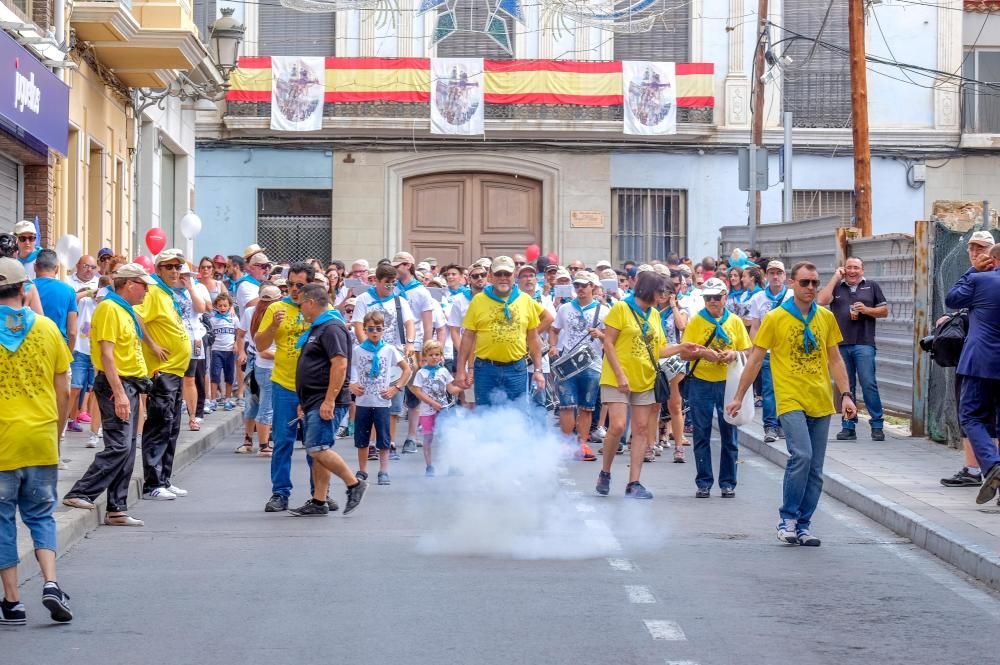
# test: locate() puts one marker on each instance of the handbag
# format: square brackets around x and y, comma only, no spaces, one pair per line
[661,385]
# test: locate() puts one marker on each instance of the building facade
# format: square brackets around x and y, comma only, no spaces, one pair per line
[564,175]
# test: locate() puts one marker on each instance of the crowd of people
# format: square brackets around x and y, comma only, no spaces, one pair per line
[632,359]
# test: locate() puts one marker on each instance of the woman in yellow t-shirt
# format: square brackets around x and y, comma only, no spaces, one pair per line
[633,338]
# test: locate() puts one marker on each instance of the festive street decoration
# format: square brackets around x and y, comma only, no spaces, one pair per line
[649,92]
[495,27]
[457,96]
[297,92]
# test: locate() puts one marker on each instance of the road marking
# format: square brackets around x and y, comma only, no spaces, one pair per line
[602,532]
[639,594]
[567,482]
[664,630]
[585,508]
[622,565]
[681,662]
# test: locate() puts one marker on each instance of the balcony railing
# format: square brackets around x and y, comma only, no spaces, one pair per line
[818,99]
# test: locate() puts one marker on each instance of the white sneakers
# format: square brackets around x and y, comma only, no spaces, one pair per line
[159,494]
[92,441]
[177,491]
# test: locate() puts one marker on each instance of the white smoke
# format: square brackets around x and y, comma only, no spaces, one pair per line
[512,498]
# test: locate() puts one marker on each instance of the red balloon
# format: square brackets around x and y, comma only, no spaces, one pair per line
[145,262]
[553,258]
[532,252]
[156,240]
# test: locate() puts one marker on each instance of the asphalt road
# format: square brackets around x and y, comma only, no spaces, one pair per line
[490,569]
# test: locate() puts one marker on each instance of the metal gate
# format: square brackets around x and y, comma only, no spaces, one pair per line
[295,238]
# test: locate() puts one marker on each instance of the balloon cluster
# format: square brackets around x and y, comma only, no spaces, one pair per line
[533,251]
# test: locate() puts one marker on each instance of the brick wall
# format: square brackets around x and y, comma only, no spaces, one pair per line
[39,181]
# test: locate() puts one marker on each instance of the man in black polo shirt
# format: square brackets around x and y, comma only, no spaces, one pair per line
[322,389]
[857,302]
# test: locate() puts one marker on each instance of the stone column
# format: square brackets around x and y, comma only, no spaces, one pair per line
[737,85]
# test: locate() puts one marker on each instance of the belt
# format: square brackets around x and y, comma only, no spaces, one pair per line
[497,363]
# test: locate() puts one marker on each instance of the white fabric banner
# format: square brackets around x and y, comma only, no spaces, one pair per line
[457,96]
[650,93]
[297,88]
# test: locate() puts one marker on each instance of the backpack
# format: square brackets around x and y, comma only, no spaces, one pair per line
[949,338]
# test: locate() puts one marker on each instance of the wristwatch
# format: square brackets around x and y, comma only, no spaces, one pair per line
[847,395]
[538,371]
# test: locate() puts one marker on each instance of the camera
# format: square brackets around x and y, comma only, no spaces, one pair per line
[8,245]
[927,343]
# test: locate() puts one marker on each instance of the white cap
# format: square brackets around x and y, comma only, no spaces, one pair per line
[713,287]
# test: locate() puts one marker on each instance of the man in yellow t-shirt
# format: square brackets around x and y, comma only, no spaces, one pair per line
[282,325]
[167,350]
[723,335]
[803,339]
[501,331]
[116,334]
[34,399]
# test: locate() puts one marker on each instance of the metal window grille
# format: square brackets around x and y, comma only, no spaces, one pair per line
[668,40]
[285,31]
[813,203]
[817,84]
[470,40]
[295,224]
[981,103]
[648,224]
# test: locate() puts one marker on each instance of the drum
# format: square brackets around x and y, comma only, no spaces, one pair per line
[571,363]
[673,366]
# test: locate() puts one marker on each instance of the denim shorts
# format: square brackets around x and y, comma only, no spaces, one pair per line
[32,490]
[83,371]
[580,391]
[397,408]
[366,418]
[259,407]
[319,433]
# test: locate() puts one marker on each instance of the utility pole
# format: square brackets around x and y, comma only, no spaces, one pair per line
[757,112]
[787,182]
[859,114]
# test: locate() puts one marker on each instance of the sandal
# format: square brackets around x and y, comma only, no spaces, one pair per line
[194,426]
[265,451]
[244,449]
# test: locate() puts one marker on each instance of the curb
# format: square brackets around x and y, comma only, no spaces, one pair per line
[973,558]
[73,524]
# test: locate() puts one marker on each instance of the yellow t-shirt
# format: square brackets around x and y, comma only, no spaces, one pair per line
[699,330]
[165,326]
[630,347]
[29,431]
[801,380]
[111,323]
[286,356]
[497,338]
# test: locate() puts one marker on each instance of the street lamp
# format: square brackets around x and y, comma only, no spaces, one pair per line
[227,35]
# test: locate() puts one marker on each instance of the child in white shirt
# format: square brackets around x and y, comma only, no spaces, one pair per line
[434,386]
[223,323]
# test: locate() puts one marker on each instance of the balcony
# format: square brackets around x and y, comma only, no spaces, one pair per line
[99,21]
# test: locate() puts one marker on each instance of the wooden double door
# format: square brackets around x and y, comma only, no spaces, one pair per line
[460,217]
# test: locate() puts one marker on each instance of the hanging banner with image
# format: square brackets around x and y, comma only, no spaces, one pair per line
[650,97]
[457,96]
[297,88]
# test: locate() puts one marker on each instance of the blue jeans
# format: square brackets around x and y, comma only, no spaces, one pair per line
[805,438]
[32,490]
[705,399]
[978,412]
[318,434]
[285,405]
[260,407]
[496,384]
[860,362]
[367,417]
[770,404]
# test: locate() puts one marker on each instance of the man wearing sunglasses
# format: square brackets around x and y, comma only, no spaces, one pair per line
[461,298]
[104,256]
[760,304]
[802,338]
[27,251]
[246,289]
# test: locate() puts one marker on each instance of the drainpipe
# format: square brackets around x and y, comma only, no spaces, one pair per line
[60,33]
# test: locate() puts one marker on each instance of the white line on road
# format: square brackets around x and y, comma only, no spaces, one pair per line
[664,630]
[622,565]
[681,662]
[639,594]
[603,534]
[567,482]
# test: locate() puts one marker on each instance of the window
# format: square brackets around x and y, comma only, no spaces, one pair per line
[817,84]
[284,31]
[470,39]
[647,224]
[295,224]
[981,107]
[204,16]
[813,203]
[668,38]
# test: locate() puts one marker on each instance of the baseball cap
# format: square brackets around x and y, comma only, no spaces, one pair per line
[431,261]
[351,302]
[250,250]
[586,277]
[259,259]
[775,265]
[483,263]
[552,267]
[403,257]
[609,274]
[645,267]
[527,267]
[270,292]
[984,238]
[134,271]
[603,263]
[172,254]
[502,263]
[632,272]
[105,251]
[279,281]
[423,266]
[219,258]
[713,287]
[12,272]
[24,226]
[562,273]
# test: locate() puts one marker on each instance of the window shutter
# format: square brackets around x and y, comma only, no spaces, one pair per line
[204,16]
[284,31]
[470,39]
[817,85]
[667,41]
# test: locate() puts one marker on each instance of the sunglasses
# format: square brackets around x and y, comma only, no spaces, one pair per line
[208,267]
[574,269]
[88,265]
[502,273]
[26,238]
[348,310]
[373,329]
[296,285]
[141,283]
[716,298]
[171,266]
[519,263]
[806,283]
[106,257]
[478,275]
[581,286]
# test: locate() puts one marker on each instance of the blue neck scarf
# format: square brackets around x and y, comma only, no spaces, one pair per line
[644,315]
[328,315]
[778,299]
[402,290]
[247,277]
[514,293]
[378,300]
[736,295]
[665,314]
[464,290]
[121,302]
[580,308]
[30,257]
[720,332]
[15,326]
[219,315]
[288,301]
[750,293]
[809,342]
[433,369]
[374,349]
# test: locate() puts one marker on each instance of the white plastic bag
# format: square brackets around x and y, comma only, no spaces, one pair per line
[746,412]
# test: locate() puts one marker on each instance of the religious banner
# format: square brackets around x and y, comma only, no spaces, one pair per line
[649,90]
[297,88]
[457,96]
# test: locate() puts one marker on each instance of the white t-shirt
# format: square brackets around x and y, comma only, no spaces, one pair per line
[573,326]
[77,284]
[343,293]
[441,321]
[224,329]
[760,304]
[692,303]
[420,301]
[244,325]
[84,315]
[361,369]
[436,387]
[391,336]
[459,306]
[246,292]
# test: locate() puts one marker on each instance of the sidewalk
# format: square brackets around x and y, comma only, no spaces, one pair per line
[72,524]
[896,483]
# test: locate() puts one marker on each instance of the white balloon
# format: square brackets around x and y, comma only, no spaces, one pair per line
[190,225]
[69,249]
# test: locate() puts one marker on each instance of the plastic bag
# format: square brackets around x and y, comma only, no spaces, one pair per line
[746,412]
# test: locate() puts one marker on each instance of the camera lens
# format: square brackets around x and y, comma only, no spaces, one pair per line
[927,343]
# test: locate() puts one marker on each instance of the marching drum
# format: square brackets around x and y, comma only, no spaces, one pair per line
[572,362]
[673,366]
